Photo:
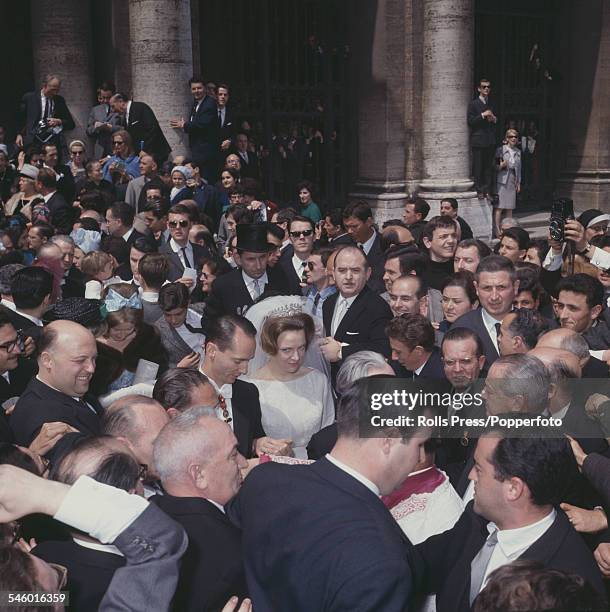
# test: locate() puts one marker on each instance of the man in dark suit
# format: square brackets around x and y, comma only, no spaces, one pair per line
[102,122]
[236,291]
[66,362]
[142,124]
[63,174]
[45,105]
[449,208]
[120,218]
[229,347]
[203,129]
[247,159]
[317,537]
[512,517]
[497,286]
[182,254]
[212,569]
[412,341]
[482,121]
[355,317]
[358,221]
[31,290]
[60,212]
[226,119]
[301,231]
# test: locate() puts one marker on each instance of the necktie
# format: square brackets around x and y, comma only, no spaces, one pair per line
[479,565]
[341,308]
[361,247]
[257,288]
[47,108]
[316,301]
[498,326]
[193,110]
[220,117]
[187,263]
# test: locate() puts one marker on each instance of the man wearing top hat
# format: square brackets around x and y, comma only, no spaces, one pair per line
[235,292]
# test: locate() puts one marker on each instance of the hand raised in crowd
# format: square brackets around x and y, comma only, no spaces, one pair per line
[26,547]
[576,232]
[586,521]
[49,435]
[270,446]
[29,346]
[190,361]
[602,557]
[187,282]
[579,453]
[177,123]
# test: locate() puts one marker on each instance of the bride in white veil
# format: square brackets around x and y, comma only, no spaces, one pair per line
[284,305]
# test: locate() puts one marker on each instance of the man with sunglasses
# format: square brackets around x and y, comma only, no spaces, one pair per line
[181,253]
[301,233]
[482,122]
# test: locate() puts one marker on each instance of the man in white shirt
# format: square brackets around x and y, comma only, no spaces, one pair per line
[513,516]
[302,234]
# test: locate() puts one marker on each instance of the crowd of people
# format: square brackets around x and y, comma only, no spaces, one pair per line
[185,373]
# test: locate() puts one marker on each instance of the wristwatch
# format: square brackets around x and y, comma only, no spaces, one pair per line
[585,250]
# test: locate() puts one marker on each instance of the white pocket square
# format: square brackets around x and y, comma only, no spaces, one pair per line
[134,122]
[352,333]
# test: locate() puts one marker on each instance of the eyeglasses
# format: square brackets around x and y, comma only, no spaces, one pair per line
[77,152]
[222,404]
[9,347]
[175,224]
[62,574]
[304,233]
[485,86]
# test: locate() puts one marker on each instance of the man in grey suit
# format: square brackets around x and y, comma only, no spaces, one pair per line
[150,541]
[103,122]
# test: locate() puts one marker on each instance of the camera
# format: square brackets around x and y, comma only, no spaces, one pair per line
[43,131]
[562,209]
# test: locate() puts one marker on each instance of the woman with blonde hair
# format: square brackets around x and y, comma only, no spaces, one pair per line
[123,165]
[508,162]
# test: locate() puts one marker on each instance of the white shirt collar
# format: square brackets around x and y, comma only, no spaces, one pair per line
[47,197]
[357,475]
[421,367]
[150,296]
[34,320]
[226,390]
[262,281]
[127,234]
[107,548]
[490,326]
[368,245]
[513,542]
[216,504]
[8,304]
[178,249]
[349,301]
[297,264]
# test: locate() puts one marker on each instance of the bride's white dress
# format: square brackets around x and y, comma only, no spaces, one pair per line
[295,409]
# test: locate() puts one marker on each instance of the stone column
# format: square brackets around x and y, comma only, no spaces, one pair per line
[586,66]
[162,61]
[121,47]
[379,71]
[61,39]
[448,57]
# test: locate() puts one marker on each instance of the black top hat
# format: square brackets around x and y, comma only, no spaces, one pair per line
[252,237]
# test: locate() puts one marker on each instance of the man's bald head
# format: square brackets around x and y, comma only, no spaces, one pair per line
[402,234]
[551,357]
[567,340]
[49,250]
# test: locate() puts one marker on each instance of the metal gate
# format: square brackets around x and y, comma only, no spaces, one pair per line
[286,63]
[514,48]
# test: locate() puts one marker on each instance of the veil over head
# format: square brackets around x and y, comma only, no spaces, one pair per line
[285,305]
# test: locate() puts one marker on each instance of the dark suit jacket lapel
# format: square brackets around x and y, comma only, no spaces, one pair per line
[241,427]
[353,311]
[545,547]
[328,308]
[485,337]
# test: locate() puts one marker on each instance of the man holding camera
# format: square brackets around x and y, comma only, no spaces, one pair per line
[46,115]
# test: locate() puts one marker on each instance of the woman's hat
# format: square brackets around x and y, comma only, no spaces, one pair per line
[252,237]
[29,171]
[77,309]
[592,217]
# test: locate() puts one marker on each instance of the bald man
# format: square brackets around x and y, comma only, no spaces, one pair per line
[197,458]
[66,363]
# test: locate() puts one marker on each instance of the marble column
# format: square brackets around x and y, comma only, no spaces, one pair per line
[121,47]
[61,40]
[448,57]
[585,175]
[162,61]
[379,72]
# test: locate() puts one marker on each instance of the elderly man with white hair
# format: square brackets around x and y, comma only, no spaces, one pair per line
[196,457]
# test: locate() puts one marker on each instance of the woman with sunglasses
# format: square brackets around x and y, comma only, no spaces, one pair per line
[508,161]
[308,208]
[78,159]
[123,165]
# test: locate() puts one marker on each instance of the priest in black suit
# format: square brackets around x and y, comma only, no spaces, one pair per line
[211,570]
[66,362]
[142,124]
[318,537]
[412,341]
[482,121]
[203,129]
[513,516]
[180,252]
[229,347]
[46,105]
[355,317]
[497,286]
[236,291]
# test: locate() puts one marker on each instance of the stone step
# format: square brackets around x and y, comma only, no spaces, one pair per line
[536,223]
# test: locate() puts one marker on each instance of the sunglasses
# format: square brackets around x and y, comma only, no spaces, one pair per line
[175,224]
[304,234]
